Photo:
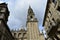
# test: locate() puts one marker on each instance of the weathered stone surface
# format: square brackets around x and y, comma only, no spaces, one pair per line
[52,15]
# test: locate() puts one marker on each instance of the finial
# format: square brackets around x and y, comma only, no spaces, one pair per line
[29,6]
[22,27]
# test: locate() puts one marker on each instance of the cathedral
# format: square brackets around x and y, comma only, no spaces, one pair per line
[31,33]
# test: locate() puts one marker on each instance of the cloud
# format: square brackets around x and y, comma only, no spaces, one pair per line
[1,1]
[18,11]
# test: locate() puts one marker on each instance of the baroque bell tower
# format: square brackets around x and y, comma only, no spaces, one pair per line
[32,26]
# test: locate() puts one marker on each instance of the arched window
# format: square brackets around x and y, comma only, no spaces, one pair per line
[19,34]
[53,21]
[31,16]
[14,34]
[50,23]
[58,8]
[54,1]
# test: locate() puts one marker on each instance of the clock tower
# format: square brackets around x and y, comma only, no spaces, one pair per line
[31,15]
[32,26]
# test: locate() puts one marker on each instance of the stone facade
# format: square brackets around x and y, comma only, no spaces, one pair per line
[20,34]
[52,19]
[5,33]
[32,32]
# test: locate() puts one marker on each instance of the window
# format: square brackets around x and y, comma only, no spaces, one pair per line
[53,0]
[31,17]
[49,27]
[15,34]
[24,34]
[53,21]
[50,23]
[50,13]
[19,34]
[58,8]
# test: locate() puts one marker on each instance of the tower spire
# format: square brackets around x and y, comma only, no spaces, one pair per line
[31,24]
[31,15]
[30,7]
[30,11]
